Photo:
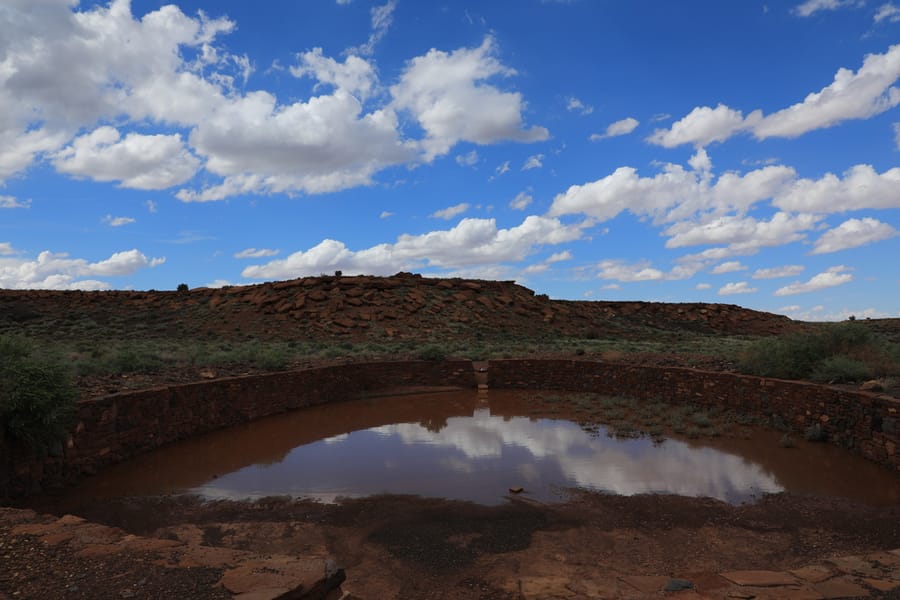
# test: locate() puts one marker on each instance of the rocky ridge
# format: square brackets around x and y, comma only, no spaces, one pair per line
[404,306]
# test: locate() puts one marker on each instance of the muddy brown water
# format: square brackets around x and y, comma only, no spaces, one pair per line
[476,446]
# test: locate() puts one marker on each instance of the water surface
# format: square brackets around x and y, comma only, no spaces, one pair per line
[470,446]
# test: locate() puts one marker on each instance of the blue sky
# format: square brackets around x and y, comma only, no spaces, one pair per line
[737,152]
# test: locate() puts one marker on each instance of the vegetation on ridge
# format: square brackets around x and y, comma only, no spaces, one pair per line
[122,340]
[833,353]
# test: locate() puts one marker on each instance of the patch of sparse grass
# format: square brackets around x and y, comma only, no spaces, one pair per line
[701,419]
[432,352]
[271,359]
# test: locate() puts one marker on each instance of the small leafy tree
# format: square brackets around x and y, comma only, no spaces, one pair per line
[37,398]
[182,287]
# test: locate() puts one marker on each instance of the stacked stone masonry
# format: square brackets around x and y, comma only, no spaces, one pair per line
[116,427]
[862,422]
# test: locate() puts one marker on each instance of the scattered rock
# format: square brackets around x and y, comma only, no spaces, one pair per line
[678,585]
[872,386]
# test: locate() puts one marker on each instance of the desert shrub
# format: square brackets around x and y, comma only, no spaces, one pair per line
[182,287]
[120,361]
[790,357]
[840,369]
[432,352]
[271,359]
[847,351]
[701,419]
[846,337]
[37,397]
[135,360]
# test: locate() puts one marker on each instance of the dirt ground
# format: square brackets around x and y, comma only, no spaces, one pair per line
[415,548]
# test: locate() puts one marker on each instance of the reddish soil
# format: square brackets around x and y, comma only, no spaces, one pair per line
[412,548]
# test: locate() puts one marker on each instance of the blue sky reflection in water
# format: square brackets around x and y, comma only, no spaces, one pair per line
[479,457]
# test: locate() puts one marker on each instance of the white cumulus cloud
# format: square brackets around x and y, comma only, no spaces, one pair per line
[778,272]
[57,271]
[355,75]
[700,127]
[728,267]
[619,270]
[888,12]
[451,211]
[13,202]
[323,145]
[66,70]
[575,105]
[860,187]
[675,193]
[144,162]
[521,201]
[740,287]
[859,95]
[533,162]
[468,159]
[853,233]
[811,7]
[782,228]
[256,253]
[471,245]
[117,221]
[852,95]
[830,278]
[382,19]
[449,94]
[623,127]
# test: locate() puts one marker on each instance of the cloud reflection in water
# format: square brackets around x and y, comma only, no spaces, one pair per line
[478,457]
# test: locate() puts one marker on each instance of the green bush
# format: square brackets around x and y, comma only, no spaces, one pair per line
[840,369]
[701,419]
[122,360]
[432,352]
[37,398]
[272,359]
[838,352]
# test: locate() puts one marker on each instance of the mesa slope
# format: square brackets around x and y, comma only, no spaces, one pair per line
[403,306]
